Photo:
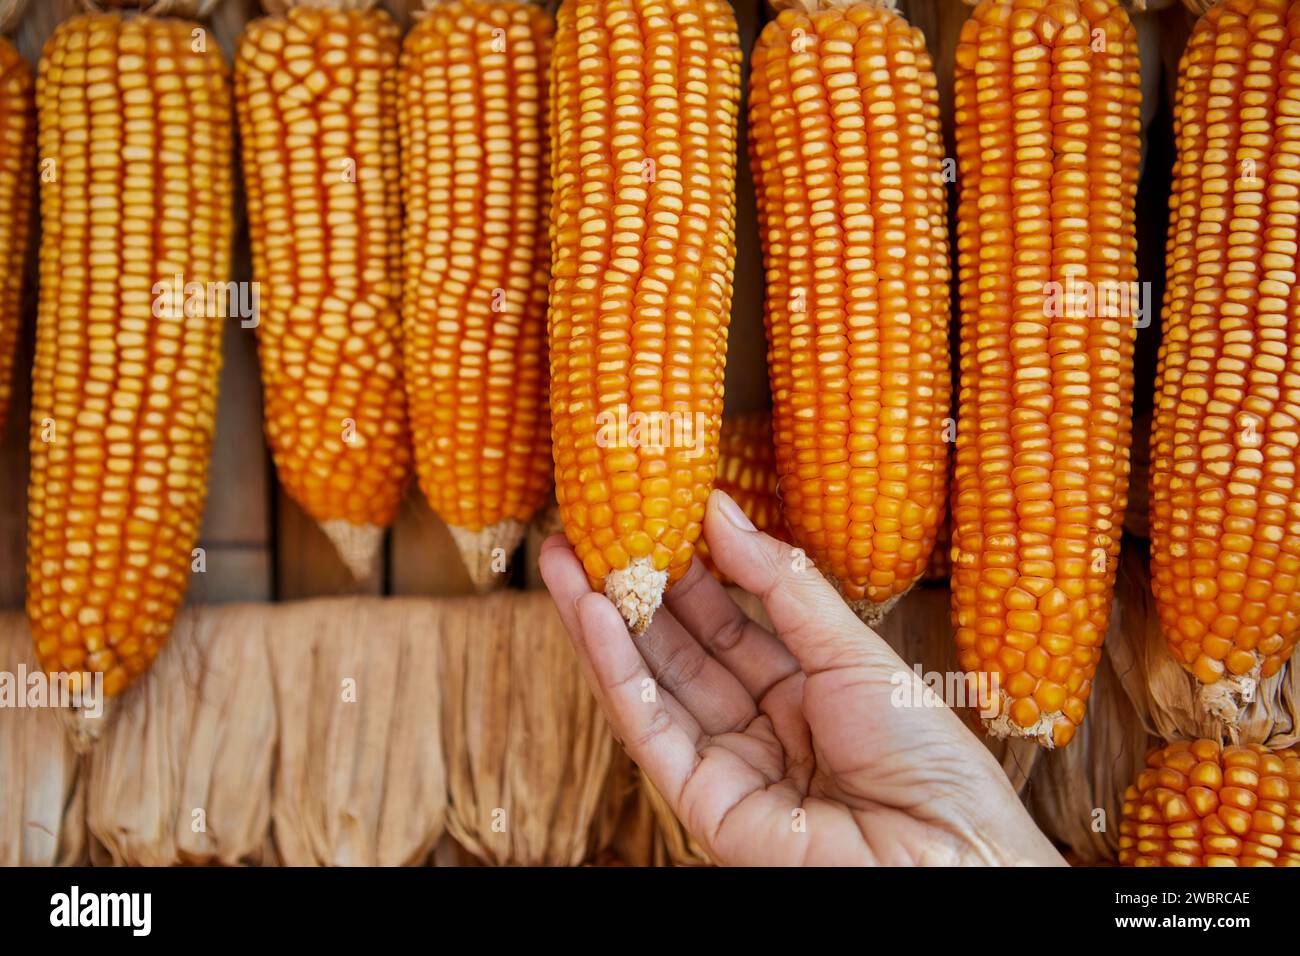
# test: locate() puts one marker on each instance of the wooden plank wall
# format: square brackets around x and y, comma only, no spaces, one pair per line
[259,545]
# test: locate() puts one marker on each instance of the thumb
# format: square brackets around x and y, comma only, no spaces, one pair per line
[809,615]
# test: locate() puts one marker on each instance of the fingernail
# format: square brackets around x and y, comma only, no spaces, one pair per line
[732,512]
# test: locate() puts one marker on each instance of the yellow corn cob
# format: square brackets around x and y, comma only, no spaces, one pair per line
[135,141]
[1225,442]
[848,164]
[17,149]
[645,100]
[1047,134]
[316,97]
[1203,804]
[747,472]
[476,184]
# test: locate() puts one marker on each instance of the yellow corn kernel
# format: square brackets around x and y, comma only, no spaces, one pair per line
[316,97]
[1225,440]
[472,99]
[1047,134]
[645,98]
[136,126]
[1235,805]
[847,155]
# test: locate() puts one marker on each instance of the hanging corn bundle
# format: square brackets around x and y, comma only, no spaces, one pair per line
[645,98]
[1047,134]
[135,147]
[317,103]
[848,163]
[476,184]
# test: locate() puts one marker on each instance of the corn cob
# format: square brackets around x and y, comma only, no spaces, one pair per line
[135,138]
[645,97]
[747,472]
[476,184]
[1202,804]
[848,164]
[1047,134]
[316,98]
[17,151]
[1225,443]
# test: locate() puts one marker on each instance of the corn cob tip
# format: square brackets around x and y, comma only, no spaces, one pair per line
[358,546]
[869,612]
[83,731]
[1043,729]
[486,551]
[637,591]
[1227,697]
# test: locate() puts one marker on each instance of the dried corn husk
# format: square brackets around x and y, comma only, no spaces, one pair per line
[190,9]
[42,787]
[627,821]
[11,14]
[183,773]
[616,799]
[679,846]
[1166,697]
[529,751]
[360,779]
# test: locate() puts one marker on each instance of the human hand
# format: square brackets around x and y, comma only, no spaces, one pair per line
[786,749]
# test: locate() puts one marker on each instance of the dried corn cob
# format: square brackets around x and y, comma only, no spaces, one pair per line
[135,138]
[476,184]
[1225,443]
[1047,133]
[645,100]
[1202,804]
[848,162]
[747,472]
[17,151]
[316,97]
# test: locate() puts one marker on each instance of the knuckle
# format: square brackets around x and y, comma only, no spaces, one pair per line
[682,668]
[660,723]
[729,635]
